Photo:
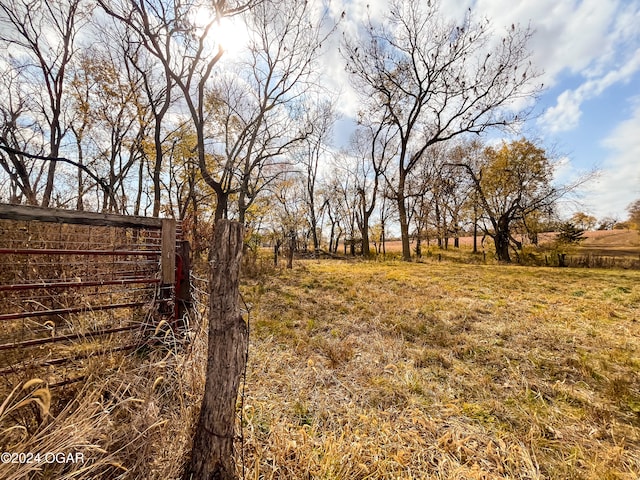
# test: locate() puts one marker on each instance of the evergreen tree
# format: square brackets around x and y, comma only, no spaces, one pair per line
[570,233]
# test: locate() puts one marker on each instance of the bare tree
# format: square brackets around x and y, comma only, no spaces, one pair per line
[312,153]
[17,133]
[157,85]
[288,213]
[181,35]
[438,79]
[422,198]
[372,146]
[265,108]
[44,34]
[82,119]
[343,198]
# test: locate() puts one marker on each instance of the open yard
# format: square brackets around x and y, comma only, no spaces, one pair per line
[438,370]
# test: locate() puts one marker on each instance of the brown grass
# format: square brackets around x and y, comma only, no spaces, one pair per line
[379,370]
[131,418]
[369,370]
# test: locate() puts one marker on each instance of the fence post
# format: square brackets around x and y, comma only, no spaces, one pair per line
[167,263]
[212,451]
[183,283]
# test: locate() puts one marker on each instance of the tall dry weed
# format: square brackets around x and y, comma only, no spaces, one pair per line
[132,422]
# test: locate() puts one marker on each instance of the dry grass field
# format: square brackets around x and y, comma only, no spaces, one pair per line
[376,370]
[439,370]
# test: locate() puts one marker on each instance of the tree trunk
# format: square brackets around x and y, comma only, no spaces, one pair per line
[314,229]
[404,229]
[475,228]
[366,249]
[80,199]
[331,238]
[292,249]
[221,205]
[276,252]
[157,164]
[55,137]
[212,453]
[138,203]
[501,241]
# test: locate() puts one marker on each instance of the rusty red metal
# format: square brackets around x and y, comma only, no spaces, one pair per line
[63,311]
[122,264]
[56,251]
[63,360]
[67,338]
[96,283]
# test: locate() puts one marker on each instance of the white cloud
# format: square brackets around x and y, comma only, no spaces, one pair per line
[599,43]
[565,115]
[619,182]
[356,15]
[593,39]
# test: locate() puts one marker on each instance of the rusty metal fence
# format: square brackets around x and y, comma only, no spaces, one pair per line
[74,285]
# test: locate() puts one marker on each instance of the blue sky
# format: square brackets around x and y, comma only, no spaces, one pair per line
[589,113]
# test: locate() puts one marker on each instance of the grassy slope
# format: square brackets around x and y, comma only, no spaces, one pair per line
[370,370]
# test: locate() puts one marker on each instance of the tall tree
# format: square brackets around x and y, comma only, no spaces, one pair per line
[266,108]
[121,118]
[43,34]
[312,153]
[157,85]
[18,132]
[372,146]
[181,35]
[82,119]
[438,79]
[511,182]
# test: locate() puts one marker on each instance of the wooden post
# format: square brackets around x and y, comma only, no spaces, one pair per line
[212,452]
[56,215]
[167,263]
[168,260]
[562,260]
[183,283]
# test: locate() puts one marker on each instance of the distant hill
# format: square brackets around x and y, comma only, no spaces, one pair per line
[600,242]
[612,242]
